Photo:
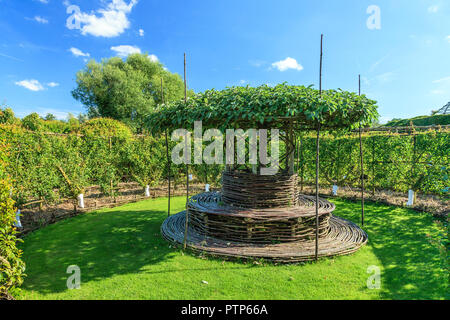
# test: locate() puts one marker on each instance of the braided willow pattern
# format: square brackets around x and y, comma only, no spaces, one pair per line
[210,217]
[247,190]
[262,217]
[343,237]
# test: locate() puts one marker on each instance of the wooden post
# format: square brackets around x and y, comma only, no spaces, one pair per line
[110,181]
[373,165]
[361,157]
[167,152]
[187,166]
[317,155]
[321,58]
[297,150]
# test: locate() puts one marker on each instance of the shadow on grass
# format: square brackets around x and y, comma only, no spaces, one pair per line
[412,267]
[101,244]
[127,240]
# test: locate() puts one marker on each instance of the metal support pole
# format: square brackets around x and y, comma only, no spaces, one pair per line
[167,153]
[317,155]
[317,192]
[187,166]
[361,156]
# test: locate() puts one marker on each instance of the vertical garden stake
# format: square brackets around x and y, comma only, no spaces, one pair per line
[317,190]
[361,156]
[167,152]
[317,155]
[187,165]
[301,163]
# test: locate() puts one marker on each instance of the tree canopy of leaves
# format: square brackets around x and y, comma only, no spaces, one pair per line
[252,107]
[126,90]
[49,117]
[32,122]
[7,116]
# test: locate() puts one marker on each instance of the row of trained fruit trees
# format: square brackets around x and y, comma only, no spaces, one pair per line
[393,161]
[49,167]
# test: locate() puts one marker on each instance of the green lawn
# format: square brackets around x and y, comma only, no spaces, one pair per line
[122,256]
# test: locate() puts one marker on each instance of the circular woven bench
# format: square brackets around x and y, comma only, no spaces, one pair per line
[209,216]
[343,237]
[249,226]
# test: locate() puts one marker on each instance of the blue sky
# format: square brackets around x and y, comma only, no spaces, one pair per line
[404,64]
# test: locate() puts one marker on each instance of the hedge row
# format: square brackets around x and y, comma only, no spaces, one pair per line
[437,119]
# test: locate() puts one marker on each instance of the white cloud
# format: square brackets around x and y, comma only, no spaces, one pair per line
[111,22]
[286,64]
[32,85]
[442,80]
[124,50]
[153,58]
[78,53]
[433,9]
[35,85]
[43,1]
[437,92]
[141,32]
[40,20]
[447,38]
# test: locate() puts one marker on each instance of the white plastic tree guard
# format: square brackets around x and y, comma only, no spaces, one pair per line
[206,187]
[335,190]
[411,197]
[147,191]
[80,201]
[18,224]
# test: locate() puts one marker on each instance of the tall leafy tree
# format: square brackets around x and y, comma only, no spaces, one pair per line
[50,117]
[126,90]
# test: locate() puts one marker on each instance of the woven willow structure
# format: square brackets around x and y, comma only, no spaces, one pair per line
[262,217]
[257,216]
